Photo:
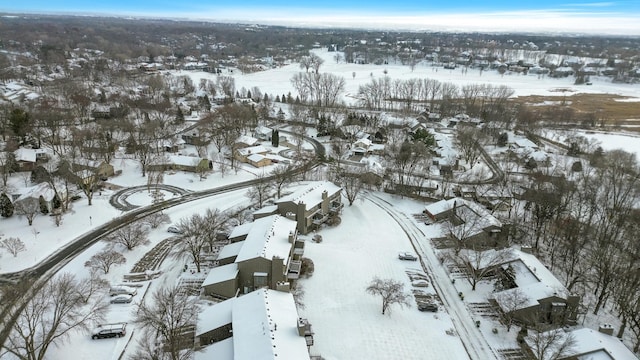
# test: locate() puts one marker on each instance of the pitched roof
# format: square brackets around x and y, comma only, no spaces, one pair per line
[268,237]
[311,194]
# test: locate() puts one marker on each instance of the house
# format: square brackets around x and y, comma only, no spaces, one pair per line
[245,141]
[258,160]
[263,133]
[29,159]
[101,169]
[269,255]
[311,205]
[538,296]
[471,223]
[180,163]
[42,192]
[262,325]
[587,344]
[242,154]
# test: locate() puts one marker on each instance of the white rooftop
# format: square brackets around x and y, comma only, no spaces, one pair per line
[311,194]
[533,278]
[589,344]
[230,250]
[214,316]
[220,274]
[253,150]
[265,327]
[240,230]
[268,237]
[246,139]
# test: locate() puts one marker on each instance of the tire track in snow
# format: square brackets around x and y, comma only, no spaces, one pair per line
[474,342]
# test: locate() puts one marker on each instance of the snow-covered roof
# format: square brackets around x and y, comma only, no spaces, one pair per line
[43,189]
[311,194]
[230,250]
[220,274]
[587,344]
[180,160]
[270,209]
[265,327]
[253,150]
[246,139]
[532,278]
[215,316]
[525,143]
[268,237]
[27,155]
[240,230]
[256,158]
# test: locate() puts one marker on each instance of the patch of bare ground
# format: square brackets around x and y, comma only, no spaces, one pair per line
[611,110]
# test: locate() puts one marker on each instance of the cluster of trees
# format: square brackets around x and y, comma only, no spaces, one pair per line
[483,101]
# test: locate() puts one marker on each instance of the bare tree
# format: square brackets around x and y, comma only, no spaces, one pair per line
[510,301]
[29,207]
[261,191]
[316,61]
[281,177]
[193,238]
[13,245]
[49,317]
[478,264]
[391,292]
[130,236]
[104,260]
[350,178]
[468,141]
[552,344]
[168,315]
[156,219]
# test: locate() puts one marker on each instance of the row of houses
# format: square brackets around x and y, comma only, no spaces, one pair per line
[256,270]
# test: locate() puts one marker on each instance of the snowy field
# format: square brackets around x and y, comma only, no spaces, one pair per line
[277,81]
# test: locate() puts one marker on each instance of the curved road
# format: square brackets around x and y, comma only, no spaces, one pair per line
[36,276]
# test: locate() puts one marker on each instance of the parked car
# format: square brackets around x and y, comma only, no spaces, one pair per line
[174,229]
[122,290]
[407,256]
[428,307]
[109,331]
[121,299]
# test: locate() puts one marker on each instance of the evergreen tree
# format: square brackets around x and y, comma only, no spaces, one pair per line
[273,137]
[179,116]
[19,122]
[44,209]
[276,138]
[6,206]
[503,139]
[277,98]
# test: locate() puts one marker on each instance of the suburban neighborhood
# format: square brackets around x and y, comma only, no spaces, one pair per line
[355,195]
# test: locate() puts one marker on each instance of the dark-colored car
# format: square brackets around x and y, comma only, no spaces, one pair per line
[121,299]
[407,256]
[109,331]
[428,307]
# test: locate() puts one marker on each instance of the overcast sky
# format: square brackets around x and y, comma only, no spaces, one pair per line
[603,17]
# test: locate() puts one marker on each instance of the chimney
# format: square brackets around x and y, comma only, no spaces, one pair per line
[292,237]
[302,326]
[325,195]
[606,329]
[282,286]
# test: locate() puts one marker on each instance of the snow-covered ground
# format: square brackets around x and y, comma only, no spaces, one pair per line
[347,321]
[277,81]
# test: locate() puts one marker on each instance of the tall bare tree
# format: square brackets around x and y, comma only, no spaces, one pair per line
[49,318]
[168,314]
[391,291]
[130,236]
